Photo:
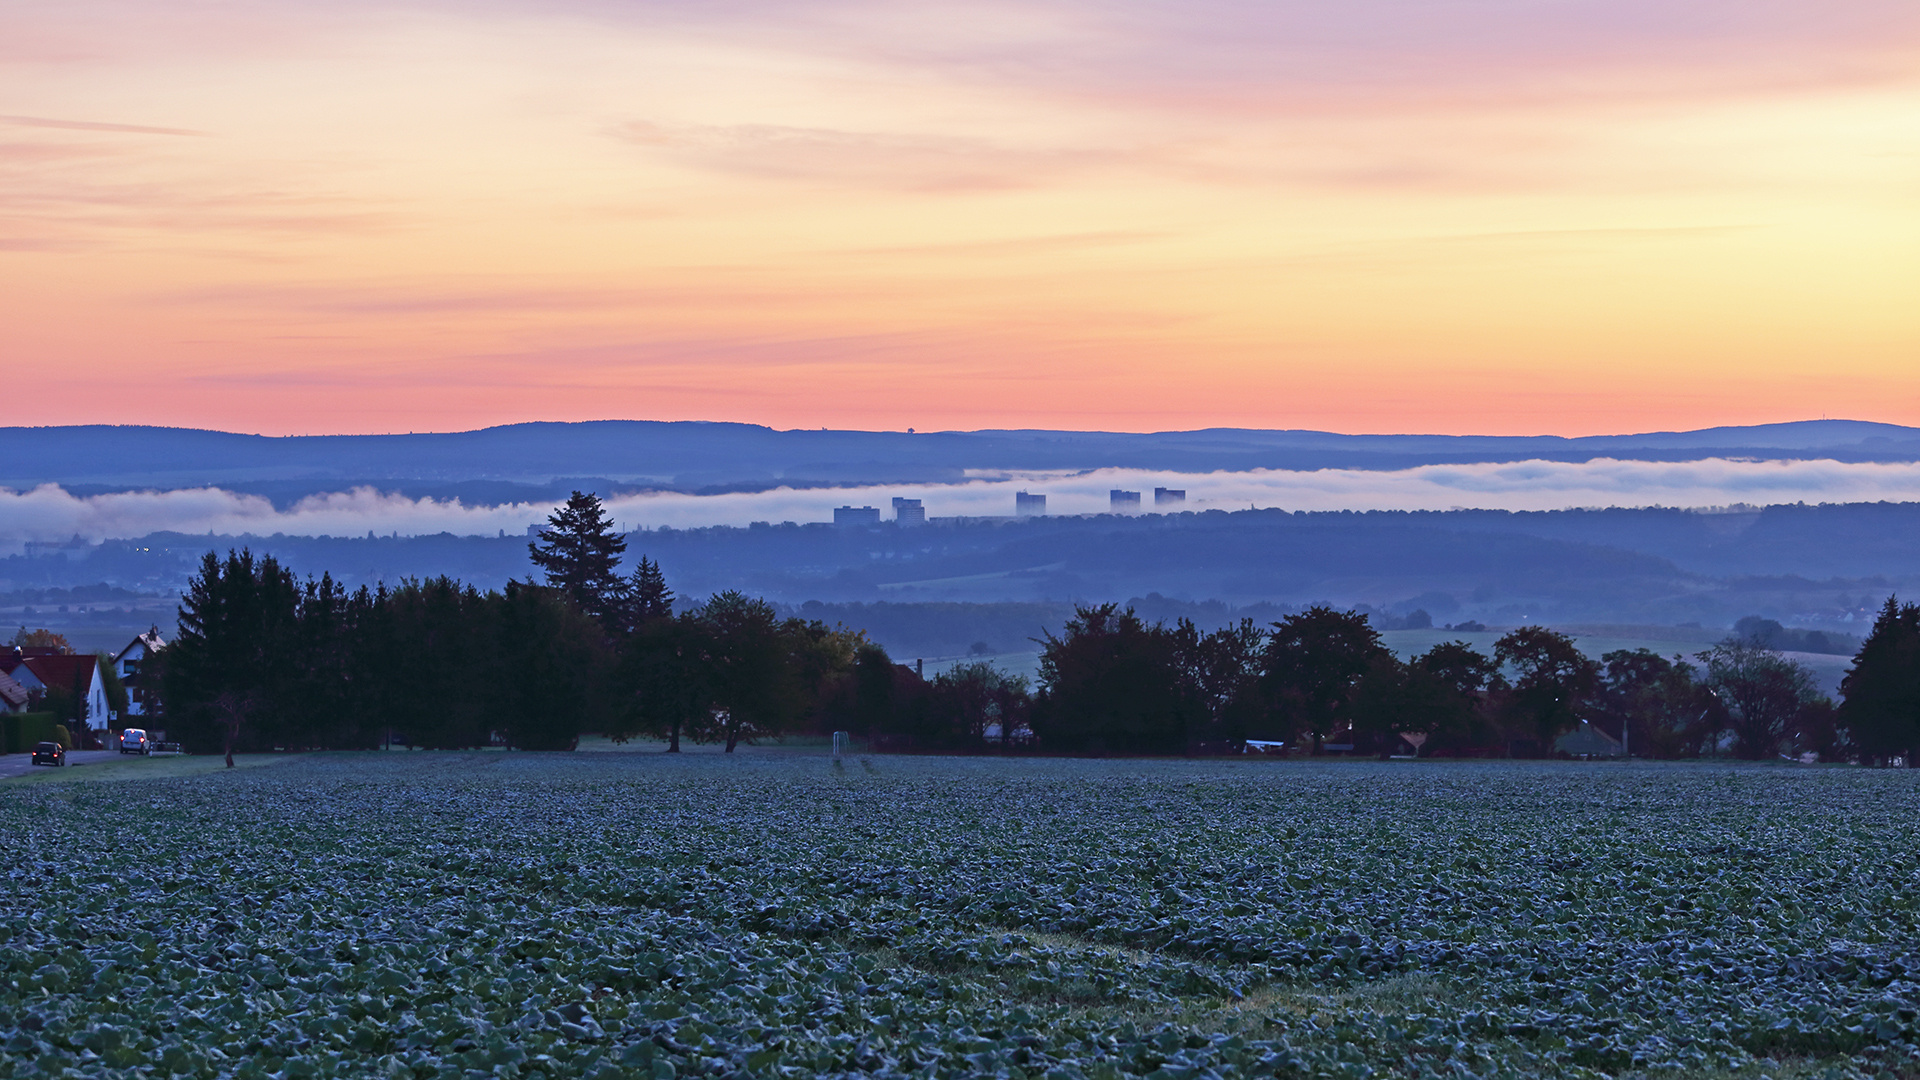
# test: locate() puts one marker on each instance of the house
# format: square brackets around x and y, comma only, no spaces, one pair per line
[13,696]
[13,665]
[80,674]
[1589,742]
[142,697]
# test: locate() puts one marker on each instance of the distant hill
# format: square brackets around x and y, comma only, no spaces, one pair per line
[542,460]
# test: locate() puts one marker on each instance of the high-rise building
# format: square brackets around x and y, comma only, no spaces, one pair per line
[909,511]
[1026,505]
[1123,502]
[856,515]
[1167,496]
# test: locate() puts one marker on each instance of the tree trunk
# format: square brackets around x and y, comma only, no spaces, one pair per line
[673,738]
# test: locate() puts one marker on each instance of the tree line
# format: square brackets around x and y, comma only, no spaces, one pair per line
[1111,681]
[266,660]
[1323,678]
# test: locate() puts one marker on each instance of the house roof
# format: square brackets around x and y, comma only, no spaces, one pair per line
[12,694]
[151,640]
[74,671]
[1591,741]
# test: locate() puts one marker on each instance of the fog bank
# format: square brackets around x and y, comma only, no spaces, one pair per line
[50,513]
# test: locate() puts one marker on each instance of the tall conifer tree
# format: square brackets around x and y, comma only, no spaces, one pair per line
[580,554]
[1882,707]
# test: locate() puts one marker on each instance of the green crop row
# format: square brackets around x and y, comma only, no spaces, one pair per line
[645,915]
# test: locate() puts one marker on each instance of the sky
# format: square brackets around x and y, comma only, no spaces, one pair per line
[50,513]
[1489,216]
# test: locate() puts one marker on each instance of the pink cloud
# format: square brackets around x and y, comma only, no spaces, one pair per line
[1300,54]
[92,125]
[1311,55]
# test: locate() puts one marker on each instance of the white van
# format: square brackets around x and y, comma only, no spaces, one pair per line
[134,741]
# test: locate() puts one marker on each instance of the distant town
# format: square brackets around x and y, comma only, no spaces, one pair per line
[1025,504]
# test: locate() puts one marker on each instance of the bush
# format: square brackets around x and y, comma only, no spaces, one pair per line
[62,736]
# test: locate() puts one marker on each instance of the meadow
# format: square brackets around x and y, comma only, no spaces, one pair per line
[782,914]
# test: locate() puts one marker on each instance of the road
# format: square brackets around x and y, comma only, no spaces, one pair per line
[17,764]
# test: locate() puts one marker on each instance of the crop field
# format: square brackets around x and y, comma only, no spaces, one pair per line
[778,915]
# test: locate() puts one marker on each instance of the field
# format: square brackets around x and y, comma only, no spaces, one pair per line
[777,914]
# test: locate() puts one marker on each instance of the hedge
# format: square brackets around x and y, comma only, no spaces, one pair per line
[19,731]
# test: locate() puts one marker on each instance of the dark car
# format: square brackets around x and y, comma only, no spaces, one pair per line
[49,753]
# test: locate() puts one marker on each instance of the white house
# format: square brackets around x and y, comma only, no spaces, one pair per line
[78,672]
[127,665]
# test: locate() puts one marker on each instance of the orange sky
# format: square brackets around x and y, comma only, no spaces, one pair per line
[1502,216]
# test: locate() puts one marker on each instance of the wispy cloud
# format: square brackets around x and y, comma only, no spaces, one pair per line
[91,125]
[1026,245]
[909,162]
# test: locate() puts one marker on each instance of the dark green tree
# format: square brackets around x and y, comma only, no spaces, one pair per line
[1766,694]
[325,706]
[1435,697]
[435,648]
[664,682]
[820,662]
[232,666]
[1466,670]
[1112,683]
[647,595]
[556,685]
[1880,706]
[881,704]
[1470,679]
[1385,703]
[968,701]
[1311,664]
[1552,681]
[1656,704]
[580,554]
[750,681]
[1221,670]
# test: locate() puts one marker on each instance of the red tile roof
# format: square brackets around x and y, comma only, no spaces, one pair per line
[12,695]
[74,672]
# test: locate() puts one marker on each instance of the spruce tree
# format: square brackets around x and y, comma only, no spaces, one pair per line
[580,553]
[647,594]
[1881,710]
